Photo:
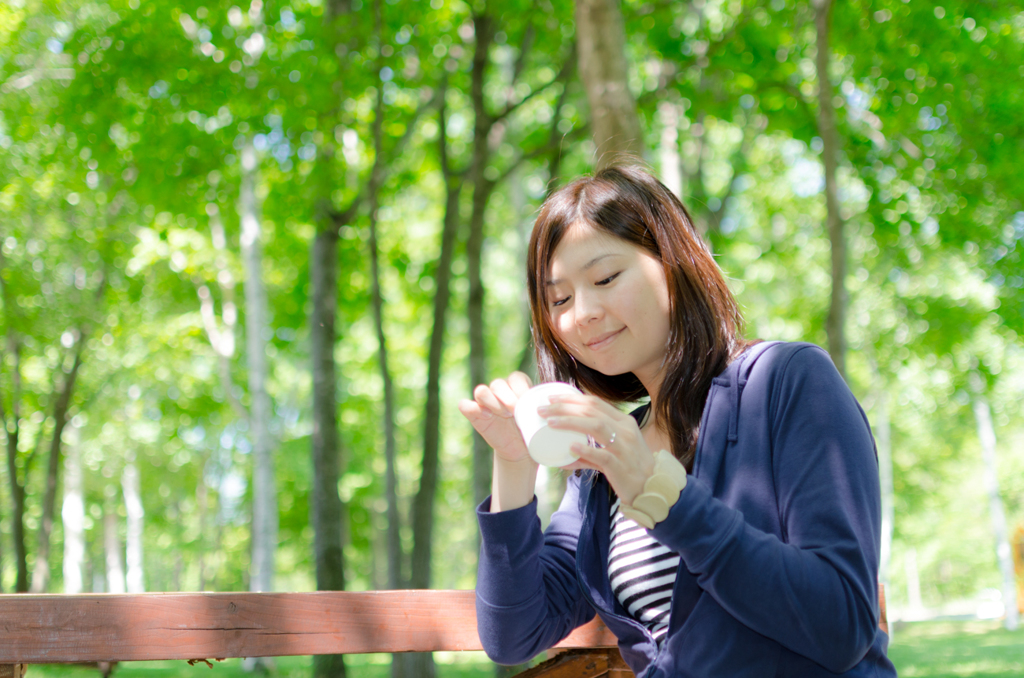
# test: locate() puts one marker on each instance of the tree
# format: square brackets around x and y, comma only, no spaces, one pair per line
[603,68]
[423,504]
[41,574]
[122,136]
[987,436]
[325,508]
[73,515]
[836,322]
[491,130]
[265,517]
[394,537]
[135,581]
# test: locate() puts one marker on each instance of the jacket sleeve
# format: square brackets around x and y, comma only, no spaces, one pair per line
[527,594]
[815,589]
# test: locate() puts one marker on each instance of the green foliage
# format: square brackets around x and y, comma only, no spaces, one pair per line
[121,125]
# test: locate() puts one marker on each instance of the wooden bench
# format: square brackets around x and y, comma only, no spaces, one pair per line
[97,628]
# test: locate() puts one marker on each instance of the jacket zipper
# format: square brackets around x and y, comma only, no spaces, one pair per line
[587,528]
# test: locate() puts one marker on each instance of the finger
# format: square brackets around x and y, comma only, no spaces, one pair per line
[597,404]
[520,383]
[503,392]
[582,408]
[571,409]
[567,398]
[471,410]
[591,457]
[595,428]
[488,401]
[579,464]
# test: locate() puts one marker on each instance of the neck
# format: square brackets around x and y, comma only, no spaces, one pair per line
[652,384]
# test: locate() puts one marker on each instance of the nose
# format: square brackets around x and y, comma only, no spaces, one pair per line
[587,309]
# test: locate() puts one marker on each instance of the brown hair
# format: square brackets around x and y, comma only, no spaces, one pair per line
[629,203]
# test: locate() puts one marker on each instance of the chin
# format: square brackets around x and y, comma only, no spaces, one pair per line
[607,368]
[610,370]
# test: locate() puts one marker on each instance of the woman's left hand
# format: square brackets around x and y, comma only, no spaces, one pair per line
[623,457]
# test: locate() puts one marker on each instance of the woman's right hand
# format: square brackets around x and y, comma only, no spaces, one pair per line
[491,414]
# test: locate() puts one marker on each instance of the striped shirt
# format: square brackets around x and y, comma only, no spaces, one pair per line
[642,573]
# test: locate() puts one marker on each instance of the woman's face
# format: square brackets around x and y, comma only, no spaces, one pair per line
[608,303]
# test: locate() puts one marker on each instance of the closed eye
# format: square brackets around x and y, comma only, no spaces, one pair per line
[599,283]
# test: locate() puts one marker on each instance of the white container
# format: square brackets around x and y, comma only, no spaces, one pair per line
[546,445]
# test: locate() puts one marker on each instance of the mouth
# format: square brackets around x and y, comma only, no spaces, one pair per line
[603,340]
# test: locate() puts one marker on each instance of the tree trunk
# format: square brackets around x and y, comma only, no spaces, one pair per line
[17,515]
[423,506]
[112,552]
[325,508]
[836,322]
[41,572]
[604,70]
[555,135]
[73,517]
[527,358]
[482,188]
[520,204]
[400,664]
[203,508]
[883,442]
[221,332]
[394,526]
[134,577]
[13,429]
[2,423]
[913,574]
[987,437]
[668,147]
[393,535]
[422,666]
[264,497]
[883,439]
[394,543]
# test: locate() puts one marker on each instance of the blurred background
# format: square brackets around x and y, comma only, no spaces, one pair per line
[252,255]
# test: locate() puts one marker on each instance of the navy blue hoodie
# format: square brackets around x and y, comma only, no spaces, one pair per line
[777,530]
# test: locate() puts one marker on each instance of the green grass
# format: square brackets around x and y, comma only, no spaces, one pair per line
[969,649]
[974,649]
[449,665]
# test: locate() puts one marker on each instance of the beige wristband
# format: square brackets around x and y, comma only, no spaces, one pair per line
[661,492]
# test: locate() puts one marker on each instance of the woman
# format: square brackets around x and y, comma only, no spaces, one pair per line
[747,545]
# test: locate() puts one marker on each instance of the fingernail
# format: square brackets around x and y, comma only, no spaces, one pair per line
[543,409]
[575,450]
[486,414]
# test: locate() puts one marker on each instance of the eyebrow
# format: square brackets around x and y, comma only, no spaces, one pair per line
[552,283]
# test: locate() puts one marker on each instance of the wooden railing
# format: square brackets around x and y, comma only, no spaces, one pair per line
[48,629]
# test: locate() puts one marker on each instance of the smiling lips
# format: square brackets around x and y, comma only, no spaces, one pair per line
[603,340]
